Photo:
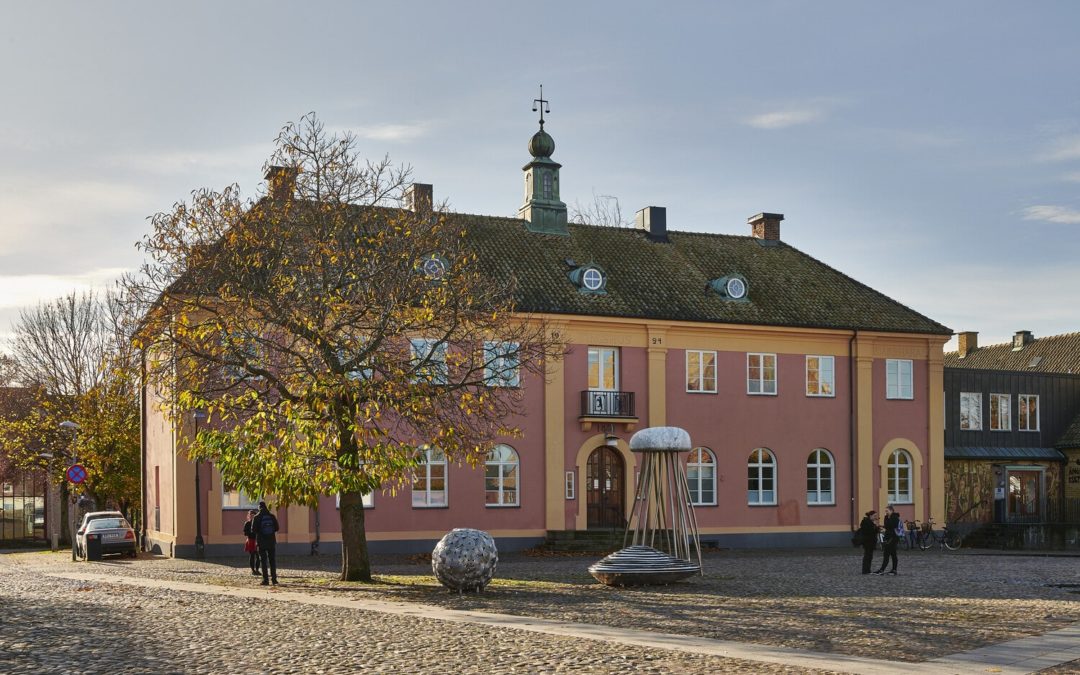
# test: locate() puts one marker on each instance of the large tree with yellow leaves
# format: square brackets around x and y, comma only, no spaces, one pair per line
[330,334]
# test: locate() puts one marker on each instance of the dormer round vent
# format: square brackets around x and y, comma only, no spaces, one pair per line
[589,279]
[731,287]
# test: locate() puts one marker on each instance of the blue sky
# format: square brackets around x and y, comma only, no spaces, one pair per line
[930,150]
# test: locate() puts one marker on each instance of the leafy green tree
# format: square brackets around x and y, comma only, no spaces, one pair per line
[328,333]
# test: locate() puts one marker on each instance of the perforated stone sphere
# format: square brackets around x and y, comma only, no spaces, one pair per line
[465,559]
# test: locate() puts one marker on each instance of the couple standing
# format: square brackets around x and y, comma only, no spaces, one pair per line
[869,528]
[261,532]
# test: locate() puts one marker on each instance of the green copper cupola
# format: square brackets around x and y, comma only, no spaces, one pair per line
[542,211]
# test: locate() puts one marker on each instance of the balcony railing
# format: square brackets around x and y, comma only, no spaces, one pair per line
[595,403]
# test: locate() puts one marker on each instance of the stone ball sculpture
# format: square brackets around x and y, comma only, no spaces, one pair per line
[465,559]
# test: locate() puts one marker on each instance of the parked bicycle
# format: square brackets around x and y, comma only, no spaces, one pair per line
[926,536]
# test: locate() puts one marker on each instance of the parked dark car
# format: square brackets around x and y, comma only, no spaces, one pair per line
[112,533]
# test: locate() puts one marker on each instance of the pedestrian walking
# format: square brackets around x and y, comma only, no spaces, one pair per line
[250,545]
[892,540]
[265,526]
[868,530]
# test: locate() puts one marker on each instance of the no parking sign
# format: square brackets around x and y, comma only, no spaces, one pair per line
[76,473]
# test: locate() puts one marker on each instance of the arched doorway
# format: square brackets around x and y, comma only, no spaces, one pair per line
[604,486]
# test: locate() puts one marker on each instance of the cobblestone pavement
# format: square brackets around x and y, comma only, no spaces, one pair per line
[941,604]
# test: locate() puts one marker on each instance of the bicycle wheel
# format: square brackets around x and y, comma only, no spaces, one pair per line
[926,540]
[951,540]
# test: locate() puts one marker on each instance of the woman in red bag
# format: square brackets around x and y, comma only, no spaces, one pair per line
[250,545]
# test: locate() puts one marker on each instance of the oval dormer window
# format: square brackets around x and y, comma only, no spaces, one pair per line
[592,279]
[435,268]
[736,288]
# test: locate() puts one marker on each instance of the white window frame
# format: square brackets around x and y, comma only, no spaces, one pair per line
[705,471]
[501,466]
[569,488]
[816,470]
[824,389]
[234,499]
[893,476]
[1021,400]
[426,497]
[757,497]
[367,500]
[761,383]
[502,364]
[435,354]
[697,357]
[895,375]
[1004,417]
[971,411]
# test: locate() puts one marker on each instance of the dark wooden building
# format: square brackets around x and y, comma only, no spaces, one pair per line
[1008,409]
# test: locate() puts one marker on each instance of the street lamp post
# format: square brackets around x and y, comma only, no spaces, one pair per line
[74,428]
[200,546]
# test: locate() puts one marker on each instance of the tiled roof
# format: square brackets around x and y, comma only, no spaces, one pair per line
[1003,453]
[1053,354]
[669,280]
[1071,437]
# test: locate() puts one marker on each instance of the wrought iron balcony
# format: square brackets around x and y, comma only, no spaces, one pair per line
[596,403]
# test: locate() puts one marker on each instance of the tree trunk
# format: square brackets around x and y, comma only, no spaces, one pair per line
[355,563]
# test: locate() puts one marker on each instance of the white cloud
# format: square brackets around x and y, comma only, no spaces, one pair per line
[390,132]
[28,289]
[1071,177]
[782,119]
[1063,149]
[1052,214]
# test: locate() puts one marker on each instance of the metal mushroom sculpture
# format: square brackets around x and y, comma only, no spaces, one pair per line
[663,534]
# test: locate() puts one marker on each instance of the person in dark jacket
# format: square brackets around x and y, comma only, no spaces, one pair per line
[868,529]
[892,540]
[265,527]
[250,545]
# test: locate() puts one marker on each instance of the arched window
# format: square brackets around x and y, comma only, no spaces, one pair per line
[819,478]
[761,477]
[701,476]
[501,477]
[429,483]
[899,477]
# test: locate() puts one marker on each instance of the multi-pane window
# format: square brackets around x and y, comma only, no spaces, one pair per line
[501,477]
[898,477]
[820,376]
[1000,412]
[819,478]
[429,481]
[700,371]
[1028,407]
[761,373]
[234,498]
[761,477]
[970,411]
[429,361]
[502,364]
[549,186]
[898,379]
[701,476]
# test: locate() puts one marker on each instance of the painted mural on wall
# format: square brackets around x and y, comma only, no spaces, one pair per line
[1072,474]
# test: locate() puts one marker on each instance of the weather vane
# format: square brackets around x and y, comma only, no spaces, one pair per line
[542,105]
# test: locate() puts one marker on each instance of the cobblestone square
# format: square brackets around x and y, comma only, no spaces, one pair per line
[814,600]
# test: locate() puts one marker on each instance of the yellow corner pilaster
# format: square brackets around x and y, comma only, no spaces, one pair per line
[864,415]
[554,451]
[936,450]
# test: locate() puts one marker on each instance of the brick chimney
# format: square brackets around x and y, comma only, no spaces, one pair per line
[419,197]
[766,226]
[968,341]
[653,221]
[281,182]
